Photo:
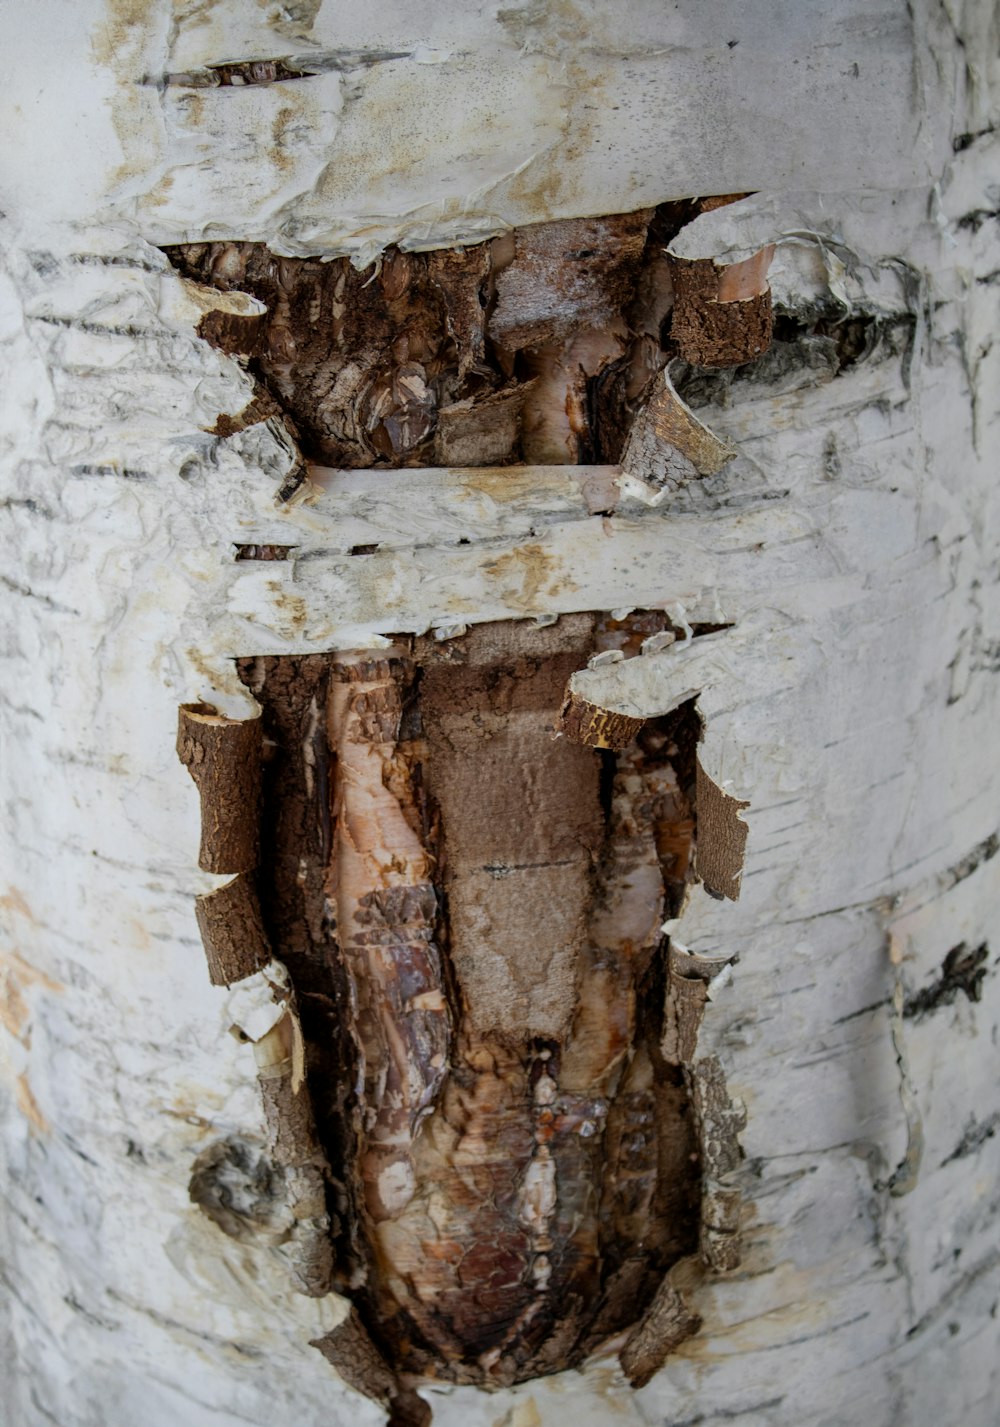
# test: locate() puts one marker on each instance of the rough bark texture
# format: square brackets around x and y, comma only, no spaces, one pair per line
[537,346]
[722,316]
[232,932]
[516,1160]
[519,1161]
[223,757]
[667,1324]
[848,548]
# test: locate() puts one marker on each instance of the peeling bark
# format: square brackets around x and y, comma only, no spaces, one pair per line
[232,931]
[850,547]
[537,346]
[223,757]
[518,1155]
[507,1098]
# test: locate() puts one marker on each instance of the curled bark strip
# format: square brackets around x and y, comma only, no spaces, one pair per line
[722,315]
[223,756]
[722,837]
[350,1350]
[718,1121]
[668,446]
[264,1012]
[688,978]
[232,931]
[667,1323]
[595,727]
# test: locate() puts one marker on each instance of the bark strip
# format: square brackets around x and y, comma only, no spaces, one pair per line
[722,315]
[380,885]
[719,1120]
[722,837]
[232,931]
[223,756]
[265,1013]
[668,446]
[595,727]
[688,978]
[349,1349]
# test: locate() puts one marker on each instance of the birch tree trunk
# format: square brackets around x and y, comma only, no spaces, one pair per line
[810,535]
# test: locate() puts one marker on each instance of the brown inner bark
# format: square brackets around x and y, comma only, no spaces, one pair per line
[469,908]
[537,346]
[471,913]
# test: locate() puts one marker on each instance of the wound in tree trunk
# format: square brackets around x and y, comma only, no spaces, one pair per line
[517,1159]
[539,346]
[465,866]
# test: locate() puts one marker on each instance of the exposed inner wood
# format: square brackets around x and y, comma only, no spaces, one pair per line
[538,346]
[470,907]
[517,1161]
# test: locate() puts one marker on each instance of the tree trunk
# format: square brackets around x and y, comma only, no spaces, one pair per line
[537,468]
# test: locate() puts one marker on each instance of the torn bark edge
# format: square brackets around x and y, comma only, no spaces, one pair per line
[232,931]
[239,335]
[666,1324]
[719,1119]
[593,726]
[263,1011]
[722,314]
[668,447]
[669,1321]
[721,840]
[349,1349]
[689,983]
[223,756]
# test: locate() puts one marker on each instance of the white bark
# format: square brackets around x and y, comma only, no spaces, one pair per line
[851,545]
